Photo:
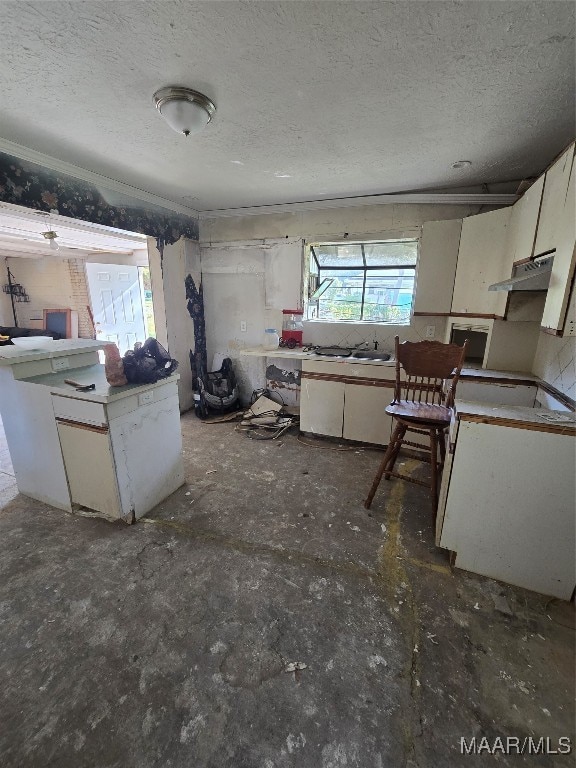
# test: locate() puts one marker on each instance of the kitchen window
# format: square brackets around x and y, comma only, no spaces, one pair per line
[370,282]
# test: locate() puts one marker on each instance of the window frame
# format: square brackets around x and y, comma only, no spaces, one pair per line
[365,268]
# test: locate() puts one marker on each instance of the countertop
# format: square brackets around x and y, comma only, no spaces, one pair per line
[541,419]
[485,375]
[11,354]
[92,374]
[299,354]
[283,353]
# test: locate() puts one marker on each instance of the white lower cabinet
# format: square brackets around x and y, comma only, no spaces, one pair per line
[121,458]
[365,417]
[511,520]
[322,407]
[341,399]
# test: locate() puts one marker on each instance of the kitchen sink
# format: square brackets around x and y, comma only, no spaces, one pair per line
[332,351]
[371,354]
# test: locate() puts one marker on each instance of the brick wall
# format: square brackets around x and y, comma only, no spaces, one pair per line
[80,300]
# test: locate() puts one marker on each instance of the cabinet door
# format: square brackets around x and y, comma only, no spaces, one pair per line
[90,468]
[482,260]
[437,267]
[365,417]
[563,239]
[147,449]
[523,223]
[554,200]
[322,407]
[494,518]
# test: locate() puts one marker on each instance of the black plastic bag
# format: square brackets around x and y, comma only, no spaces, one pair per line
[148,362]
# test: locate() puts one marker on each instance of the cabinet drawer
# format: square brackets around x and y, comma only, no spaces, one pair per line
[83,411]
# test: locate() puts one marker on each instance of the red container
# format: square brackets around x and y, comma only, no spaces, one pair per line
[292,328]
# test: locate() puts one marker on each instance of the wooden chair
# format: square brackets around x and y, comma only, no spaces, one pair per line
[421,405]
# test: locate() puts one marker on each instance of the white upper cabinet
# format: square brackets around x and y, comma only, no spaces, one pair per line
[557,229]
[483,259]
[554,202]
[437,267]
[523,223]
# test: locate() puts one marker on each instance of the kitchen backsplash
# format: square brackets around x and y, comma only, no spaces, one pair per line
[554,362]
[354,334]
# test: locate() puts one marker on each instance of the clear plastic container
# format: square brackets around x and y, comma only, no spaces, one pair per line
[271,338]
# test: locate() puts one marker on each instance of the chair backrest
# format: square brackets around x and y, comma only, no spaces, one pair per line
[427,364]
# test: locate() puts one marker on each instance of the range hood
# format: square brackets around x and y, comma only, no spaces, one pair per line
[534,275]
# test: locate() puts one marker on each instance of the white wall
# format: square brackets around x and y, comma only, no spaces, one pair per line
[47,282]
[359,222]
[555,359]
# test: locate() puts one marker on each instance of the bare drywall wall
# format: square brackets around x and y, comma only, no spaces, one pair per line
[243,246]
[246,287]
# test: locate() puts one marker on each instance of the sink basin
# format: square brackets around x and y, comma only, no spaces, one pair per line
[370,354]
[332,351]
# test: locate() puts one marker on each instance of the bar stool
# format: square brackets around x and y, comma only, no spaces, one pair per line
[420,405]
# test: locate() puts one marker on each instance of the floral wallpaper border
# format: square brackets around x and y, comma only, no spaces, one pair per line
[34,186]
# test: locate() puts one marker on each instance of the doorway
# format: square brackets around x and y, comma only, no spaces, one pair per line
[117,298]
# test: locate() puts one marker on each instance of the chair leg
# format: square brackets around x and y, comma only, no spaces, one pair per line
[434,465]
[383,464]
[397,439]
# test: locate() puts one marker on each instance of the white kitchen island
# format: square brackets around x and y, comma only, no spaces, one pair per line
[113,452]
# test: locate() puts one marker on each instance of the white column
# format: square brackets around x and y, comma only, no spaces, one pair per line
[174,327]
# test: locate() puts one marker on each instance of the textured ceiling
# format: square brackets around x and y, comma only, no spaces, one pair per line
[314,99]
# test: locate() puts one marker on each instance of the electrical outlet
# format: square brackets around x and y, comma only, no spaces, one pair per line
[60,363]
[430,331]
[242,326]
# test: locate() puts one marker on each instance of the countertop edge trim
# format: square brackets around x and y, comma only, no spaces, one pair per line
[366,382]
[501,421]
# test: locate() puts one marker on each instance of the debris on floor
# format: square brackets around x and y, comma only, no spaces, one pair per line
[292,666]
[266,419]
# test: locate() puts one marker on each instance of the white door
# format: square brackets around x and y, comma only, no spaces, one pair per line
[116,304]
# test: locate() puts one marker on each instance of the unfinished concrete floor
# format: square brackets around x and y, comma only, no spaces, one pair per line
[166,643]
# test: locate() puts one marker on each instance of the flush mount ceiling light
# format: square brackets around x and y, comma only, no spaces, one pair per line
[51,237]
[461,164]
[185,110]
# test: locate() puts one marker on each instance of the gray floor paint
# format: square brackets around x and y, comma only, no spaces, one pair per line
[165,644]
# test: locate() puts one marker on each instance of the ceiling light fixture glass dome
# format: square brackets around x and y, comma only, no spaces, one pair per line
[186,111]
